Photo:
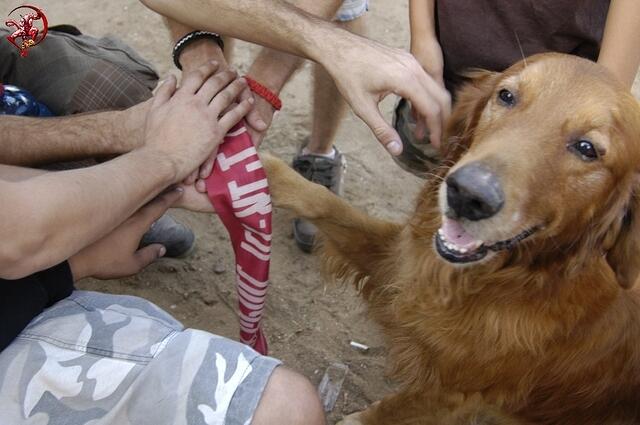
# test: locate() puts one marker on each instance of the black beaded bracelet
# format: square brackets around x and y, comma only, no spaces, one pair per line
[190,38]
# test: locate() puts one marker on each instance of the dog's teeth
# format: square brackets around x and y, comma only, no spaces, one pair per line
[455,248]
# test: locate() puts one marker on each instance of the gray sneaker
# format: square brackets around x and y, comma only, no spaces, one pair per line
[177,238]
[326,172]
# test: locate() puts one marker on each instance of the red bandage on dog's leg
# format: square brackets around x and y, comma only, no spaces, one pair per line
[239,193]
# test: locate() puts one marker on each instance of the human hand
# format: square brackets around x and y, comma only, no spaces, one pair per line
[258,120]
[117,254]
[264,114]
[195,199]
[428,53]
[196,181]
[187,124]
[366,72]
[272,69]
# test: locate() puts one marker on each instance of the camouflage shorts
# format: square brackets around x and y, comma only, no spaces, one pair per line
[105,359]
[351,9]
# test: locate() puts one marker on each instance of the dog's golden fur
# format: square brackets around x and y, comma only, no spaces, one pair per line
[545,333]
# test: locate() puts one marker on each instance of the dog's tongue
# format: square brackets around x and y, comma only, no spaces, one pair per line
[453,232]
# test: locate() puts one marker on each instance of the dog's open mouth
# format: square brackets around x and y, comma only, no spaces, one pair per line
[455,245]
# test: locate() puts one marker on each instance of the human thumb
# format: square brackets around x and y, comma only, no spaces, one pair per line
[385,134]
[147,255]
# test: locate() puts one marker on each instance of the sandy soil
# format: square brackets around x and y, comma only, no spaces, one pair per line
[309,324]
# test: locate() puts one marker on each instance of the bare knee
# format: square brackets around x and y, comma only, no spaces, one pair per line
[289,399]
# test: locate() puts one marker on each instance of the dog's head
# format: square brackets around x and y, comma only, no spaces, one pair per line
[546,158]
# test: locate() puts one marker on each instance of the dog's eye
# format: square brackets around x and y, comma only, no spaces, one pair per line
[506,97]
[585,149]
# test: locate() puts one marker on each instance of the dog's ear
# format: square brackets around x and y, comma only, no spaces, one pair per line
[469,103]
[624,254]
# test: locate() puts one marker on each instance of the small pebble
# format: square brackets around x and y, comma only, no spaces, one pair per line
[219,268]
[167,269]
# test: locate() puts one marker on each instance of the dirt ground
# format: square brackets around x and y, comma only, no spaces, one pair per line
[308,323]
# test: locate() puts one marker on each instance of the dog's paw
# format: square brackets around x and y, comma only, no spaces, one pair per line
[284,182]
[352,419]
[289,190]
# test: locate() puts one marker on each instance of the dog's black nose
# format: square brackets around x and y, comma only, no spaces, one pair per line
[474,192]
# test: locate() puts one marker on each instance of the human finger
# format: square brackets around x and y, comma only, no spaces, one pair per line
[193,80]
[206,168]
[165,90]
[256,136]
[191,179]
[235,114]
[433,106]
[386,135]
[420,130]
[147,255]
[254,119]
[215,84]
[201,186]
[224,100]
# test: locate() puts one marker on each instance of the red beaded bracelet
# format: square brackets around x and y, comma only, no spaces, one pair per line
[264,93]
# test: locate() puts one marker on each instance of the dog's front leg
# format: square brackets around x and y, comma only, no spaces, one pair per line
[352,239]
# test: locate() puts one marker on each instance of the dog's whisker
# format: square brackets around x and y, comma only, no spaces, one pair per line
[524,58]
[433,176]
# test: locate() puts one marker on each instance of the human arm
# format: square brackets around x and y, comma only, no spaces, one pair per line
[50,217]
[619,52]
[194,55]
[54,215]
[365,71]
[32,141]
[118,255]
[273,68]
[112,257]
[202,51]
[424,42]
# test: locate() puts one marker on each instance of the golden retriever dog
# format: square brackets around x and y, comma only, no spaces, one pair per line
[507,296]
